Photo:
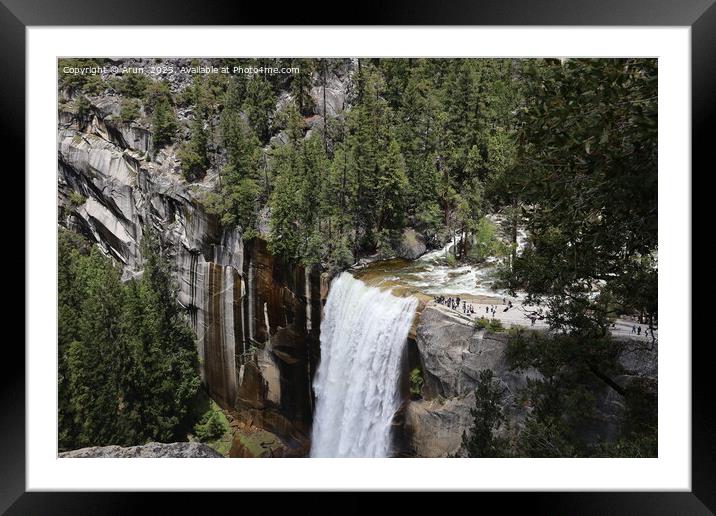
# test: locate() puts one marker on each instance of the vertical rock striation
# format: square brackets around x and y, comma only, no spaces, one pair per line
[253,314]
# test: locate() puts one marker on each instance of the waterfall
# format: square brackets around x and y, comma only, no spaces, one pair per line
[363,334]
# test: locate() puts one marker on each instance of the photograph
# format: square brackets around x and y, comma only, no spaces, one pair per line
[328,257]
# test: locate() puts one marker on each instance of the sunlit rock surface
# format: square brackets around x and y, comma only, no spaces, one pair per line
[150,450]
[256,318]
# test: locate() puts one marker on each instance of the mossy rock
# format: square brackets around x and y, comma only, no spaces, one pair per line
[254,444]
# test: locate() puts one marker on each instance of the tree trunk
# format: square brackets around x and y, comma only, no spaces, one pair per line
[325,113]
[514,230]
[463,252]
[611,383]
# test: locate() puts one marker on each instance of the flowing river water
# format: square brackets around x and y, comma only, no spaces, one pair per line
[366,321]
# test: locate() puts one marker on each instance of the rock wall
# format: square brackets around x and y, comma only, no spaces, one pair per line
[256,318]
[451,353]
[149,450]
[283,310]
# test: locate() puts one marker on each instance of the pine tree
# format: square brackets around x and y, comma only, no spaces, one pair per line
[369,123]
[417,125]
[72,252]
[590,191]
[240,192]
[92,359]
[164,124]
[391,189]
[301,83]
[194,155]
[299,211]
[128,362]
[285,230]
[487,419]
[259,104]
[168,362]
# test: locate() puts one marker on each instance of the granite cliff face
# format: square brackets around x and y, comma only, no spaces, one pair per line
[256,317]
[451,354]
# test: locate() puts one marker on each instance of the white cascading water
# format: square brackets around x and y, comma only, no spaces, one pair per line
[363,334]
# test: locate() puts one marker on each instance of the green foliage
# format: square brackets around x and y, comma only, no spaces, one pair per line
[194,155]
[390,185]
[259,104]
[493,325]
[428,220]
[416,382]
[416,149]
[298,200]
[481,323]
[589,184]
[301,85]
[206,92]
[241,193]
[76,199]
[488,419]
[133,85]
[236,204]
[212,425]
[486,243]
[83,109]
[586,191]
[154,94]
[87,83]
[73,251]
[384,246]
[574,372]
[164,124]
[639,429]
[128,369]
[130,110]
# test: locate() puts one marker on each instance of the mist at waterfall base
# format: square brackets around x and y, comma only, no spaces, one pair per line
[363,335]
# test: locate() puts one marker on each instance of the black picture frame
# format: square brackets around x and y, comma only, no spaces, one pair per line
[700,15]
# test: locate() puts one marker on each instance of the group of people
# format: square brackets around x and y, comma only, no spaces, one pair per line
[637,329]
[454,303]
[457,304]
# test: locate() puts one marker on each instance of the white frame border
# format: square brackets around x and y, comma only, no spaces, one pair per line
[671,471]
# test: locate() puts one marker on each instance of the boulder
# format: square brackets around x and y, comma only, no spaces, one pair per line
[412,245]
[187,450]
[435,427]
[335,97]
